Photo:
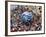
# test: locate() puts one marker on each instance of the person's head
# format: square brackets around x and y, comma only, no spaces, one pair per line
[26,8]
[29,10]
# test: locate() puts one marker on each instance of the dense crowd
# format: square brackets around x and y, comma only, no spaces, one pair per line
[18,25]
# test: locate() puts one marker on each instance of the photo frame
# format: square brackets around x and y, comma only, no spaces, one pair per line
[14,9]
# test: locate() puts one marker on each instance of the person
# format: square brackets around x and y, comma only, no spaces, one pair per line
[26,16]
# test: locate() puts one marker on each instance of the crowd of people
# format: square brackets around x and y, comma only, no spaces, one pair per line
[18,25]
